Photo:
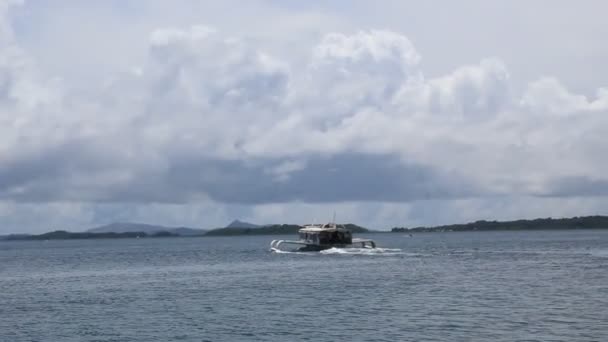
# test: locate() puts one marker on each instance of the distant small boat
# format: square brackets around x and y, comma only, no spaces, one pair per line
[318,237]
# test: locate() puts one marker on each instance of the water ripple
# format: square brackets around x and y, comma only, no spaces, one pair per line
[517,286]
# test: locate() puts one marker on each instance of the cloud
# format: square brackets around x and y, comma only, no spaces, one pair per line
[6,29]
[20,88]
[77,216]
[477,91]
[208,115]
[346,177]
[201,68]
[548,95]
[577,186]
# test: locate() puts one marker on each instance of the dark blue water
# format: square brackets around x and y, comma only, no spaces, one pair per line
[498,286]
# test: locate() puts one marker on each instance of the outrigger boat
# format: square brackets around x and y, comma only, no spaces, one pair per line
[318,237]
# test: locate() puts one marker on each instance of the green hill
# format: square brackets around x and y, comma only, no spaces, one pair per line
[65,235]
[150,229]
[586,222]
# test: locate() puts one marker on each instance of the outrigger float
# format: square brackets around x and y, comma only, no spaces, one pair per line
[318,237]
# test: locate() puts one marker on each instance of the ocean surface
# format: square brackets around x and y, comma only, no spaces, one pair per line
[472,286]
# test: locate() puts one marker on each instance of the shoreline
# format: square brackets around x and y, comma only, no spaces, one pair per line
[542,224]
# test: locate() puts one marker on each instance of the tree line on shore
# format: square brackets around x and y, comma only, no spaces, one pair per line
[585,222]
[275,229]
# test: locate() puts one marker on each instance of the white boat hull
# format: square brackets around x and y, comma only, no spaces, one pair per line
[275,245]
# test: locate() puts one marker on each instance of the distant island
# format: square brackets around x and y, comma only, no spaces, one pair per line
[241,224]
[65,235]
[584,222]
[117,230]
[121,230]
[149,229]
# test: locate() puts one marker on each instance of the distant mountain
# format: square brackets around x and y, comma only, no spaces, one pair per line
[356,229]
[265,230]
[129,227]
[185,231]
[126,227]
[65,235]
[241,224]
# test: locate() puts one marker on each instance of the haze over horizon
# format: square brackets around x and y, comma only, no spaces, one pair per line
[391,113]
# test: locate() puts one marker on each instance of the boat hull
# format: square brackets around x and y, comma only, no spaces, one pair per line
[275,245]
[318,248]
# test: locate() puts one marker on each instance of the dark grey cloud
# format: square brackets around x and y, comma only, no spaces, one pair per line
[577,186]
[345,177]
[78,171]
[49,173]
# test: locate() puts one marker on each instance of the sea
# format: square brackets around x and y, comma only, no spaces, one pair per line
[448,286]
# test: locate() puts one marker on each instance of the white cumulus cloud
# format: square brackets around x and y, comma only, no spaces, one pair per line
[207,115]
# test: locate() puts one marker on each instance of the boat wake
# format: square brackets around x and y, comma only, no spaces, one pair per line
[599,253]
[347,251]
[279,251]
[363,251]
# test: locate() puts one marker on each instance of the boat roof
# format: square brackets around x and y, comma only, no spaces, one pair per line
[317,228]
[323,225]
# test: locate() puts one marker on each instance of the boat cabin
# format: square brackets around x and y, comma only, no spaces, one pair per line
[317,237]
[326,234]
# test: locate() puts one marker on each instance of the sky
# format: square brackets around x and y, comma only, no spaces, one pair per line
[388,113]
